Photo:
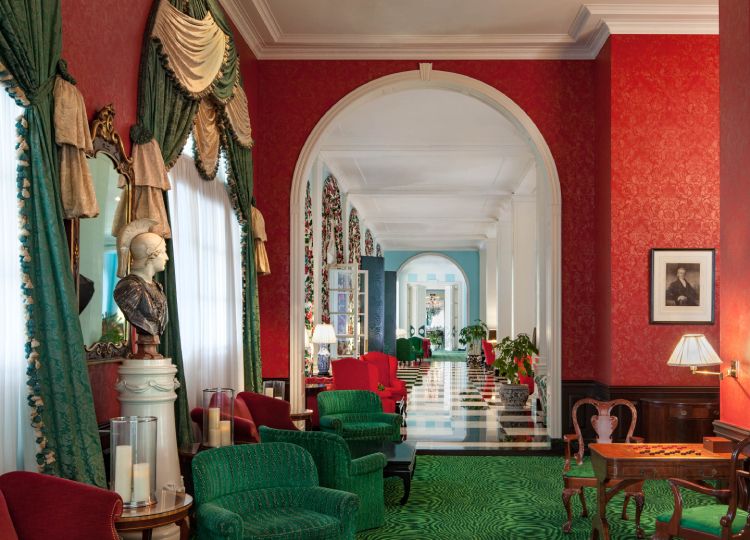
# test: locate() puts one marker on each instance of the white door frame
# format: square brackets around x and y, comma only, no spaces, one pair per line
[548,181]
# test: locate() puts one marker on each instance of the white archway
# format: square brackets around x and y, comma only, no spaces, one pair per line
[549,315]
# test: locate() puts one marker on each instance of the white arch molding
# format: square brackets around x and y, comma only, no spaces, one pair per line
[548,182]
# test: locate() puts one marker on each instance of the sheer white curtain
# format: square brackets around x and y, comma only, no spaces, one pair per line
[208,269]
[16,440]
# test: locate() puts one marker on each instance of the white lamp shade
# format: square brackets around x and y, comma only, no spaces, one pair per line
[694,350]
[400,333]
[324,333]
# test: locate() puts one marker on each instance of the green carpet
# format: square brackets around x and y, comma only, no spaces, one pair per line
[448,356]
[502,498]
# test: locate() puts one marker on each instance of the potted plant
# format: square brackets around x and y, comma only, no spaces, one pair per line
[471,337]
[513,360]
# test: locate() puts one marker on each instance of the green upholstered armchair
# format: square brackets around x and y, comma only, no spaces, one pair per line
[262,491]
[337,470]
[404,350]
[357,415]
[417,345]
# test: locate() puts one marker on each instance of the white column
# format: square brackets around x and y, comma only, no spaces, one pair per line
[448,317]
[491,292]
[524,264]
[505,278]
[147,388]
[483,283]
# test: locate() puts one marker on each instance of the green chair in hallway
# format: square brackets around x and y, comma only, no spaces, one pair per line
[404,350]
[417,345]
[337,470]
[357,415]
[264,491]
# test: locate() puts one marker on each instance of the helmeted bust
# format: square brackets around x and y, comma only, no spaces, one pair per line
[140,298]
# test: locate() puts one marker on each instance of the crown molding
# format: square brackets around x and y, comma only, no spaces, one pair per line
[588,32]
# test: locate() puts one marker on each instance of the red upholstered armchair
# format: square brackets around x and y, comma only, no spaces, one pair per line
[387,373]
[268,411]
[426,350]
[353,374]
[489,352]
[37,507]
[245,427]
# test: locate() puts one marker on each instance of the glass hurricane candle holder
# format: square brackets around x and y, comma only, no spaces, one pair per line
[133,459]
[218,417]
[274,389]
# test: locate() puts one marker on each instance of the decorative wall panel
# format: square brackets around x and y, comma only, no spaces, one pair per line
[333,237]
[355,250]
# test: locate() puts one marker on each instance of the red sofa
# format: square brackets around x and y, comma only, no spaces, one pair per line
[252,410]
[353,374]
[387,373]
[38,507]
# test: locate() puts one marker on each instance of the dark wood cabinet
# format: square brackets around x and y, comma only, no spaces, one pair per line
[673,420]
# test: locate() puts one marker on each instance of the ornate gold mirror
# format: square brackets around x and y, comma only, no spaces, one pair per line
[93,242]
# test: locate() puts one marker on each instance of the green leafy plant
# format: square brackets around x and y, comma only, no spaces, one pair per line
[436,337]
[472,333]
[513,357]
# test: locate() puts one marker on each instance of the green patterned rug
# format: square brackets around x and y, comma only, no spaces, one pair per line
[502,498]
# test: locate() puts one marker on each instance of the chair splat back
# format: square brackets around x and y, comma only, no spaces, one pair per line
[604,423]
[739,484]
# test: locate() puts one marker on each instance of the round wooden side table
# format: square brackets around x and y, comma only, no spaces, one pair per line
[148,518]
[305,415]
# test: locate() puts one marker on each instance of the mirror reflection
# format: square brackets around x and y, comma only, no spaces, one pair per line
[101,319]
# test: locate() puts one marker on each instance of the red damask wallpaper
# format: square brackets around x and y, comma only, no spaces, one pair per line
[664,189]
[557,95]
[734,20]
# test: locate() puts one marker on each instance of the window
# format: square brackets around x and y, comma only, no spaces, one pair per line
[208,270]
[15,429]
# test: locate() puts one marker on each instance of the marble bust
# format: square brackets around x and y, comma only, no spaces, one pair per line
[141,299]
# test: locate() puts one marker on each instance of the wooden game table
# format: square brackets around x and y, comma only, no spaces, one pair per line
[633,463]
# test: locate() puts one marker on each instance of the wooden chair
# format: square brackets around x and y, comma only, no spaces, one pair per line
[714,521]
[581,474]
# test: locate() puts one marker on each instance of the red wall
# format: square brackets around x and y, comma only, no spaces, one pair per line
[557,95]
[734,22]
[664,188]
[603,67]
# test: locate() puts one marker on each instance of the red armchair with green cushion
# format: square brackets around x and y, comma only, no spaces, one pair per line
[268,491]
[404,350]
[387,373]
[40,507]
[267,411]
[337,470]
[245,428]
[357,415]
[353,374]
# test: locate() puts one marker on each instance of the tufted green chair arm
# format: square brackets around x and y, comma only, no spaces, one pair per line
[368,464]
[215,521]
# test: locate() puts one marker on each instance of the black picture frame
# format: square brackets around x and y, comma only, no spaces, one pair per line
[682,285]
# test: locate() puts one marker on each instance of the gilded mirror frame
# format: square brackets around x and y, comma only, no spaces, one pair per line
[105,140]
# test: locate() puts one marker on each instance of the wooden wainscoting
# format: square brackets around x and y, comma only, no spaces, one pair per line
[665,413]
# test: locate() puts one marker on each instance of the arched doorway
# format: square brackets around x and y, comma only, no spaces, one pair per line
[548,315]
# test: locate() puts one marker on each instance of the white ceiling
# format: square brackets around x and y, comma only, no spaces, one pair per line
[428,169]
[435,29]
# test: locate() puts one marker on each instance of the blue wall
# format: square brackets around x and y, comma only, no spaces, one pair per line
[467,260]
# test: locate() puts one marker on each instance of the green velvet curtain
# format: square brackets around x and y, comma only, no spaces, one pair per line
[166,113]
[60,393]
[241,189]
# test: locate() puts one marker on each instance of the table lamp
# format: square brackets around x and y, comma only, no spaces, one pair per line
[323,335]
[400,333]
[694,351]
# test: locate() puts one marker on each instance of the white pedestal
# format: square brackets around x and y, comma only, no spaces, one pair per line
[147,388]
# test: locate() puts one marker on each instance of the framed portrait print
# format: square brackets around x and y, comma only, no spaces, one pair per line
[682,286]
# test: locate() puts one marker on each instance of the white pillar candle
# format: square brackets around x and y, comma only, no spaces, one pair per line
[141,482]
[225,427]
[213,417]
[268,390]
[123,471]
[214,437]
